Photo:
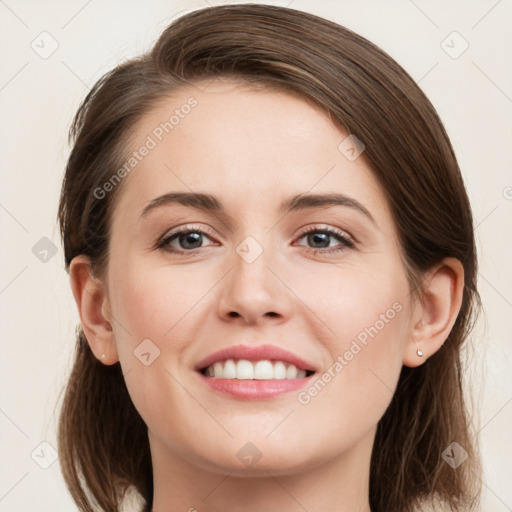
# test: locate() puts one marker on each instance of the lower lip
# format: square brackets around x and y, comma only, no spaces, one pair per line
[249,389]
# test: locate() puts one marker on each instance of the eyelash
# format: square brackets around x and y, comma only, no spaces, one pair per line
[346,242]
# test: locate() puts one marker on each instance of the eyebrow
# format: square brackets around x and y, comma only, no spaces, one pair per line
[208,202]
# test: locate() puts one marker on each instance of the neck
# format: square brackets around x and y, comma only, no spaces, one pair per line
[339,484]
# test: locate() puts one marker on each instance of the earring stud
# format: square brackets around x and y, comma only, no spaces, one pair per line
[419,352]
[103,356]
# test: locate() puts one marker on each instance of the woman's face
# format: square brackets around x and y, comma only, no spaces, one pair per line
[249,274]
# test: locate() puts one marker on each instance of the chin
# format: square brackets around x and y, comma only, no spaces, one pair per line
[263,460]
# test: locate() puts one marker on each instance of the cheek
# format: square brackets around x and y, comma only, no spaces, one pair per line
[367,313]
[351,395]
[357,301]
[148,307]
[151,303]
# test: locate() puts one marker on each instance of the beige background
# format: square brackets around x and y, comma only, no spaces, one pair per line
[38,97]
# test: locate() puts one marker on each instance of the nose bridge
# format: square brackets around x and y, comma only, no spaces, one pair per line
[256,243]
[252,289]
[253,257]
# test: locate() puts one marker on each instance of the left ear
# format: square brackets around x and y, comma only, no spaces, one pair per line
[436,311]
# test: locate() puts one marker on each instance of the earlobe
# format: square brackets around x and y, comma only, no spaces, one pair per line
[436,311]
[94,310]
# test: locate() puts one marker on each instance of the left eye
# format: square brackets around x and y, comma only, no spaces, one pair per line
[321,236]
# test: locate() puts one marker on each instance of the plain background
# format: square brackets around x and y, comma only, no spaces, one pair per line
[38,96]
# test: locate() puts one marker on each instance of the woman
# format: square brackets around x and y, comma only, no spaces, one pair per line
[271,250]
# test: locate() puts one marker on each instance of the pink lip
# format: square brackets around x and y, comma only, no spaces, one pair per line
[255,389]
[258,353]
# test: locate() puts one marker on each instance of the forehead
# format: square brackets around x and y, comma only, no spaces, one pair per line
[245,145]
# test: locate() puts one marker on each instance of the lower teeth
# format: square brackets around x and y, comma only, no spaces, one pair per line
[205,370]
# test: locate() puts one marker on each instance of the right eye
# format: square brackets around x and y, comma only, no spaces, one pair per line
[190,239]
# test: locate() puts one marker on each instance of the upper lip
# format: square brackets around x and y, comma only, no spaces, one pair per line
[255,353]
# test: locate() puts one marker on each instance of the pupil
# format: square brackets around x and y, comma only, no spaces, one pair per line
[194,238]
[319,238]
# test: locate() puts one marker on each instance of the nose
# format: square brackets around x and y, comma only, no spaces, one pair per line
[253,292]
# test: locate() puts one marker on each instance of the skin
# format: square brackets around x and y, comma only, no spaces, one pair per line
[252,149]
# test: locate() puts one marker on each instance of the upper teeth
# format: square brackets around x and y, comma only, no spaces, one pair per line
[261,370]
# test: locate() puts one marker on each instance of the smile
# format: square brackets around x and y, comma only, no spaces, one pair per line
[265,369]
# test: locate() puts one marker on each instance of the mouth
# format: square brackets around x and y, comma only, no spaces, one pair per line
[265,369]
[262,372]
[245,380]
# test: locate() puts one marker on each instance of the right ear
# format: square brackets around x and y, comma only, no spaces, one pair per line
[94,309]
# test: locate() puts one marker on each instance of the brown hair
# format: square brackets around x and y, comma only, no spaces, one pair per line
[370,96]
